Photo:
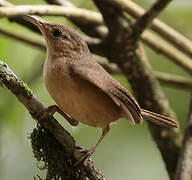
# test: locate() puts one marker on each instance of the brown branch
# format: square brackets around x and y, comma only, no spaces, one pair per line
[89,27]
[166,49]
[35,107]
[170,34]
[23,38]
[61,3]
[132,61]
[5,3]
[156,43]
[19,20]
[146,19]
[164,78]
[184,169]
[174,81]
[52,10]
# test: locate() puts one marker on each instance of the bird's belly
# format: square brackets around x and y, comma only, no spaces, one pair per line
[82,101]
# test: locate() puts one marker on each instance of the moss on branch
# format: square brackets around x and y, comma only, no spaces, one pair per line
[51,142]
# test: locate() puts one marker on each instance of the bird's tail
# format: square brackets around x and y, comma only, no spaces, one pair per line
[159,119]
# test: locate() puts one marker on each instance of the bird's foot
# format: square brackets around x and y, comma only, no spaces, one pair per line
[86,155]
[83,150]
[47,112]
[50,111]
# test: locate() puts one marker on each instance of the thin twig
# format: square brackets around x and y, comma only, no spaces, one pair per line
[61,2]
[5,3]
[52,10]
[38,43]
[184,169]
[89,27]
[146,19]
[170,34]
[19,20]
[174,81]
[164,78]
[161,46]
[35,107]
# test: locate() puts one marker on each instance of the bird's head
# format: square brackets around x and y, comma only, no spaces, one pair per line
[61,40]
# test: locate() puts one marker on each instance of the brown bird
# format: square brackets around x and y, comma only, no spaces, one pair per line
[82,89]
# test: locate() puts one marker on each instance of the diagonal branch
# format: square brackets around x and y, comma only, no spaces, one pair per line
[164,78]
[170,34]
[89,27]
[184,169]
[19,20]
[52,10]
[35,107]
[174,81]
[146,19]
[61,3]
[161,46]
[23,38]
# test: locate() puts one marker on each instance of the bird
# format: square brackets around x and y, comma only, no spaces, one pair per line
[82,89]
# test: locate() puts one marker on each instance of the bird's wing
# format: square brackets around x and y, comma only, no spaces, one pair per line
[96,75]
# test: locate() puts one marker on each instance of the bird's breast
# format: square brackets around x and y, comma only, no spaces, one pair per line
[80,99]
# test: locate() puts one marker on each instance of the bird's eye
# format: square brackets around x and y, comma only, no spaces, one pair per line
[56,32]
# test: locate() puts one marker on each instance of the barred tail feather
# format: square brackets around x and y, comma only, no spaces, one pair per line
[159,119]
[128,104]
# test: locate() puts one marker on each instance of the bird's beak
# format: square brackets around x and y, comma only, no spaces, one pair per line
[35,20]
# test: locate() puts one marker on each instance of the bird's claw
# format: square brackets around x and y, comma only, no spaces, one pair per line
[86,155]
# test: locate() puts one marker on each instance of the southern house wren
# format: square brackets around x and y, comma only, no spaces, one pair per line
[82,89]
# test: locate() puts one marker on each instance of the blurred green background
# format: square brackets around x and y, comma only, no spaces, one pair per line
[127,152]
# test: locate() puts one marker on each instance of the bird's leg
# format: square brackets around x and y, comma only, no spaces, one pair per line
[51,110]
[90,151]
